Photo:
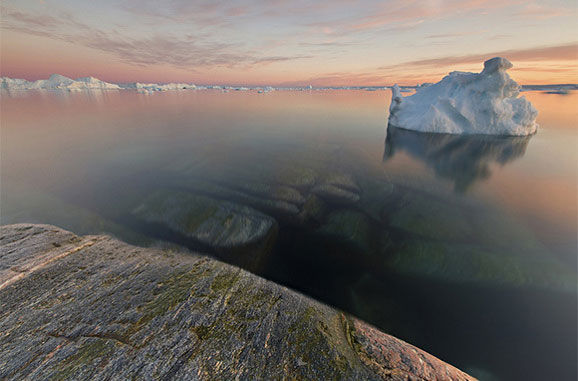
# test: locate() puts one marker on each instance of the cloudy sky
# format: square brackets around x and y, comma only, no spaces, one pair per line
[287,42]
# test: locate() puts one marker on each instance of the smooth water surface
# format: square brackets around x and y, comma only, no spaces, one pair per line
[463,246]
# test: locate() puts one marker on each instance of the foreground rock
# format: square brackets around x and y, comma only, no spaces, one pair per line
[95,308]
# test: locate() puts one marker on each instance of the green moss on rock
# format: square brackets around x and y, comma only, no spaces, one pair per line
[84,357]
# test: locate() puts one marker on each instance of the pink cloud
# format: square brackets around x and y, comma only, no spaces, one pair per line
[566,52]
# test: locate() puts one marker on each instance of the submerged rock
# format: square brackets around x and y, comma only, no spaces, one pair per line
[422,214]
[299,177]
[284,203]
[238,231]
[278,181]
[342,180]
[340,188]
[467,103]
[95,308]
[277,208]
[335,194]
[350,227]
[483,265]
[464,242]
[270,191]
[313,211]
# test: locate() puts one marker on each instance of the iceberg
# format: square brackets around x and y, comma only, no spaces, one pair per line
[57,82]
[150,87]
[60,82]
[94,84]
[485,103]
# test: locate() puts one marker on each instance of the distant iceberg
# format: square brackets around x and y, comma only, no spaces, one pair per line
[57,82]
[150,87]
[467,103]
[60,82]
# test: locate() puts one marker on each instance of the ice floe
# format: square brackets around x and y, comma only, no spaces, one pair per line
[467,103]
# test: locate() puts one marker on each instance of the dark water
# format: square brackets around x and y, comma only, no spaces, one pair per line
[463,246]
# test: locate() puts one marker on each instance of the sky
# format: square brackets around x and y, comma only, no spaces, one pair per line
[287,42]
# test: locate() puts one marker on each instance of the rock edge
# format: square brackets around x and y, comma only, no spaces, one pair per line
[93,307]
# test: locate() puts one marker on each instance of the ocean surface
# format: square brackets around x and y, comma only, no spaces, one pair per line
[465,246]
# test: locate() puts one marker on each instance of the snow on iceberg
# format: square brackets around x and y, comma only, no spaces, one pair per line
[57,82]
[467,103]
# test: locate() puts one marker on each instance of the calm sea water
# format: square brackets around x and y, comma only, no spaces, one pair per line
[463,246]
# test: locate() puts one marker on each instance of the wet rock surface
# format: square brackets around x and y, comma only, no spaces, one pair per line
[95,308]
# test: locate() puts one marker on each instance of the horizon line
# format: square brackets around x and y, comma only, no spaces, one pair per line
[267,85]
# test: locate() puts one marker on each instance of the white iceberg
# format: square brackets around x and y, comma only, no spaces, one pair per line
[150,87]
[60,82]
[467,103]
[57,82]
[93,83]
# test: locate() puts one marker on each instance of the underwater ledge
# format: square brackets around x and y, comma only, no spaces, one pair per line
[93,307]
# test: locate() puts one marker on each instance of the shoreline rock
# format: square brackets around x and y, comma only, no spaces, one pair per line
[93,307]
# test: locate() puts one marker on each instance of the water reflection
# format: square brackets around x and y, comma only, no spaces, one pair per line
[463,159]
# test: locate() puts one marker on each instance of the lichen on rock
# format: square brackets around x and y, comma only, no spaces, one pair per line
[109,310]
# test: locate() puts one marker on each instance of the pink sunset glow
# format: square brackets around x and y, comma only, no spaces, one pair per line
[286,43]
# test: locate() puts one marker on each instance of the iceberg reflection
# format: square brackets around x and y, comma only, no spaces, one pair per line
[464,159]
